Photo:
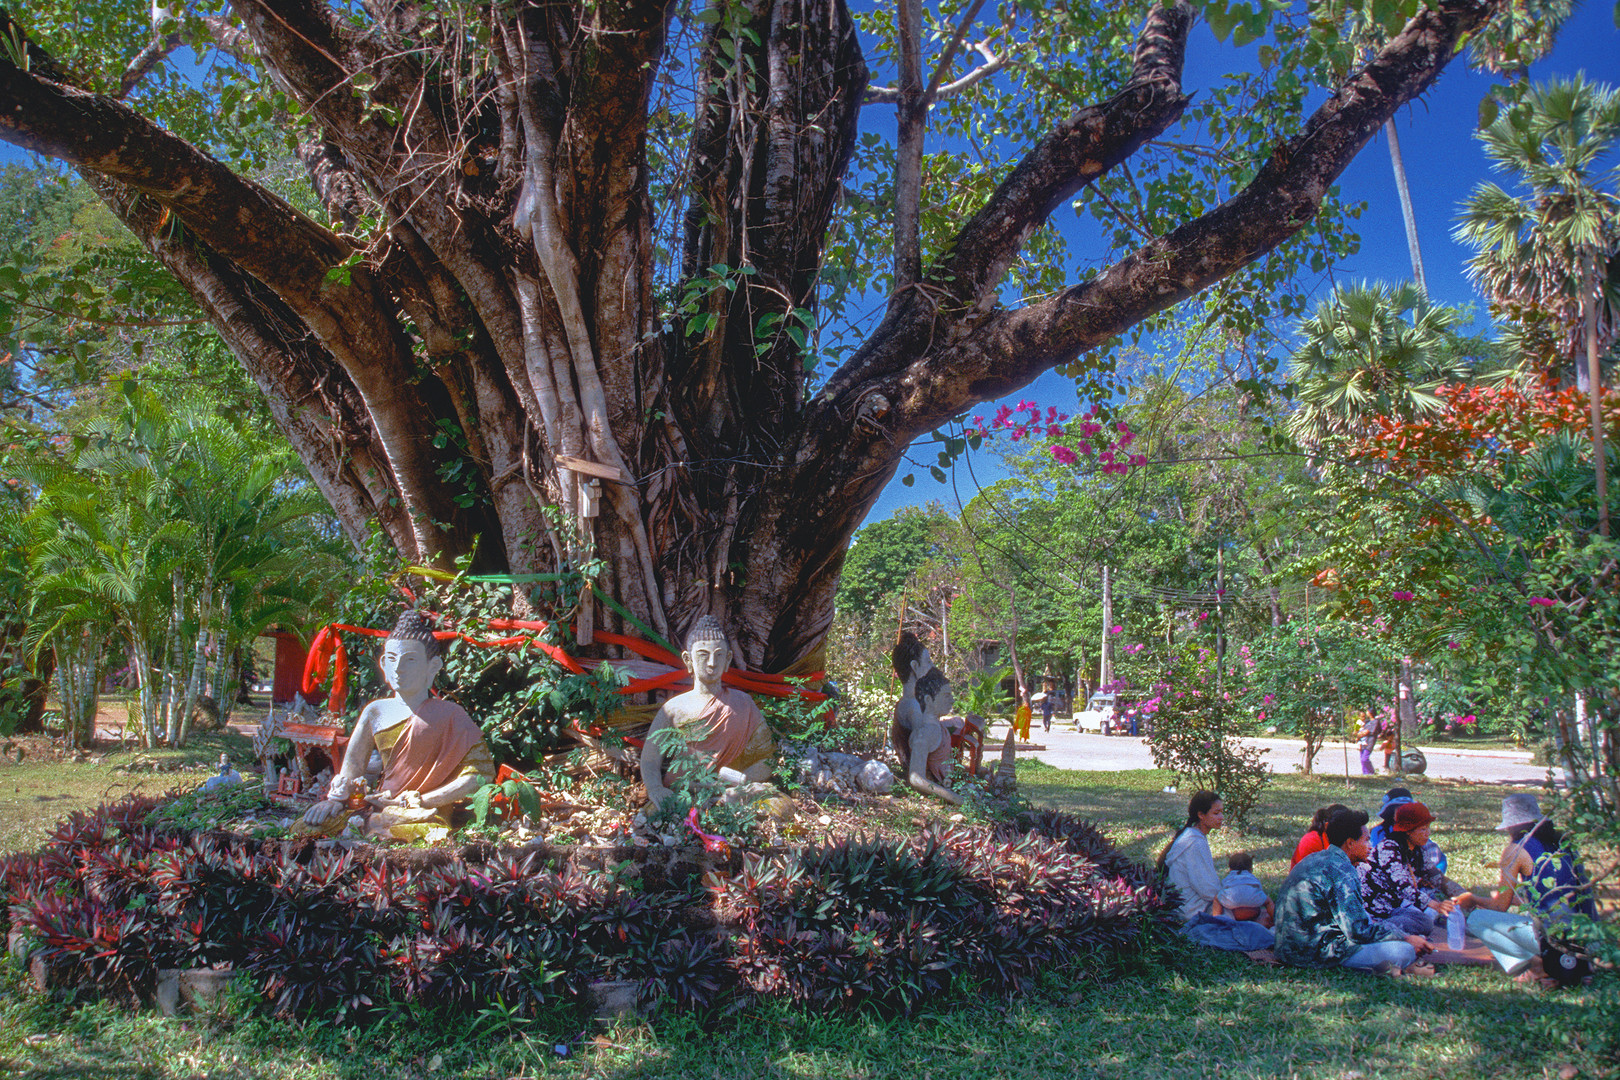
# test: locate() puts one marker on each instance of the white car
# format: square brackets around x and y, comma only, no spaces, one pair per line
[1097,716]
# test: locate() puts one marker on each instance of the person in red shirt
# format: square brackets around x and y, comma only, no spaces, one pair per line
[1315,838]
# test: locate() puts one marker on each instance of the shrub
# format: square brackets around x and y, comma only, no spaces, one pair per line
[1195,735]
[332,933]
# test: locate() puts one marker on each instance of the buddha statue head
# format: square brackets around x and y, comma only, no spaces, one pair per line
[411,657]
[910,657]
[708,653]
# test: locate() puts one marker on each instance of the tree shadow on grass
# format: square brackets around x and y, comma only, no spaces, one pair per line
[1206,1015]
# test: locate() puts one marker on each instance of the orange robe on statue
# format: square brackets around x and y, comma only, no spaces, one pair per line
[432,747]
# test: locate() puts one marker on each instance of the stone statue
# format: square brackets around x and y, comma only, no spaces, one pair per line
[723,728]
[921,739]
[433,754]
[911,662]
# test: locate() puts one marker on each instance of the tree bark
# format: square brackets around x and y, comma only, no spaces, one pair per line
[508,313]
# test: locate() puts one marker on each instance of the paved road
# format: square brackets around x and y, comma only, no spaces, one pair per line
[1068,749]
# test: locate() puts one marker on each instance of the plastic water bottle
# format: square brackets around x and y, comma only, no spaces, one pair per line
[1456,930]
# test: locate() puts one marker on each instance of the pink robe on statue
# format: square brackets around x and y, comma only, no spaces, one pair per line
[432,747]
[727,733]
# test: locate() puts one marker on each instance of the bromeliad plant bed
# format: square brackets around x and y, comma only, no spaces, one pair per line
[325,930]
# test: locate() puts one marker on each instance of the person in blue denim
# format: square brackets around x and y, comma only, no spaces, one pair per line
[1321,921]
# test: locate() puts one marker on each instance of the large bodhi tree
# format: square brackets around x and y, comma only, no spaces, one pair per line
[489,319]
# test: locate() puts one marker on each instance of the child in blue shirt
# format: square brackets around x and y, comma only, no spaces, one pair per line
[1242,897]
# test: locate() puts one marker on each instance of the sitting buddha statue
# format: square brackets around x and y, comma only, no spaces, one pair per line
[722,729]
[433,754]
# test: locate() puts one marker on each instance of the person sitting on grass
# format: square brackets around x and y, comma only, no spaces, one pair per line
[1315,838]
[1392,877]
[1187,864]
[1543,874]
[1538,863]
[1186,861]
[1242,896]
[1321,921]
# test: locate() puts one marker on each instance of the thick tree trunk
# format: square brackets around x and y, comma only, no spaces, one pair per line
[503,344]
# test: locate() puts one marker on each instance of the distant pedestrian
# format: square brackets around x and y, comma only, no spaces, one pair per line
[1023,716]
[1048,705]
[1367,738]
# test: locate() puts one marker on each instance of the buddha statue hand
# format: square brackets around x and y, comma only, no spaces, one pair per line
[324,811]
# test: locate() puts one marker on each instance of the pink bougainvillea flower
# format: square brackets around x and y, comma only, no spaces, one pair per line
[1116,629]
[1087,449]
[1106,456]
[1543,601]
[1088,428]
[1063,455]
[1026,405]
[1054,431]
[1003,415]
[1019,432]
[1452,645]
[1399,594]
[1138,459]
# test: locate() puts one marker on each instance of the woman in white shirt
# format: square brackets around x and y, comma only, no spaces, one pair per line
[1187,862]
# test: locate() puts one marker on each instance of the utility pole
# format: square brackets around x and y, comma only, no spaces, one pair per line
[1105,669]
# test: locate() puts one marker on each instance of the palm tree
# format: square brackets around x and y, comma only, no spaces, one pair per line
[1547,255]
[1375,350]
[170,529]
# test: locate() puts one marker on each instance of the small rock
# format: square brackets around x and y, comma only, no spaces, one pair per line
[875,778]
[435,1063]
[957,817]
[824,819]
[1568,1072]
[779,808]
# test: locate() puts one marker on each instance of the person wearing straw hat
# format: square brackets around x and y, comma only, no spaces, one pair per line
[1537,862]
[1542,874]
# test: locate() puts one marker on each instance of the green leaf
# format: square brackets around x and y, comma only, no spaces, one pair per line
[1488,109]
[1221,20]
[908,480]
[480,802]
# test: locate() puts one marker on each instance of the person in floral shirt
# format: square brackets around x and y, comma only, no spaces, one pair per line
[1321,921]
[1393,877]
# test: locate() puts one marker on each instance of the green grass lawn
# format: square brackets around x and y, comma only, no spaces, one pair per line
[42,789]
[1200,1014]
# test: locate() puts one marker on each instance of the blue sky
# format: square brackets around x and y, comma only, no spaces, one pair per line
[1443,164]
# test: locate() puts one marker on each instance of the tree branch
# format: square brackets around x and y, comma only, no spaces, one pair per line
[949,54]
[228,38]
[1011,348]
[1089,143]
[911,126]
[993,62]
